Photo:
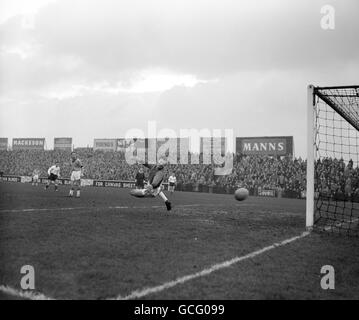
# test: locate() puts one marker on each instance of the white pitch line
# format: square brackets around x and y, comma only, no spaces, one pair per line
[147,291]
[110,207]
[23,294]
[43,209]
[97,208]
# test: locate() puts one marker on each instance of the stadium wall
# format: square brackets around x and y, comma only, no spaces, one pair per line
[129,184]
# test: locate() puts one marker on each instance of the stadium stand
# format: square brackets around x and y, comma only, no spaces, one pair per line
[287,176]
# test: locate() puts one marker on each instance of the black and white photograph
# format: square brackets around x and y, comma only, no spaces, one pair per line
[179,154]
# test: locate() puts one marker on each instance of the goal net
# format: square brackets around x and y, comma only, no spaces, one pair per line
[333,159]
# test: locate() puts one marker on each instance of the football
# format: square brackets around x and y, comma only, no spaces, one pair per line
[241,194]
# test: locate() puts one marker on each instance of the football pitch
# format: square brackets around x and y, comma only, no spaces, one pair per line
[109,245]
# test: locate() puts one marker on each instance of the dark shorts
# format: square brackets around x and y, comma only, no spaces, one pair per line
[171,184]
[52,177]
[140,184]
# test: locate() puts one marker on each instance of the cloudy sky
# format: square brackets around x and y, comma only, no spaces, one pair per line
[97,68]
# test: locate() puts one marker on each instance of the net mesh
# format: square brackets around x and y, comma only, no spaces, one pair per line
[337,160]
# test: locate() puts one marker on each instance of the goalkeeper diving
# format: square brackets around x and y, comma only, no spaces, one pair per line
[153,187]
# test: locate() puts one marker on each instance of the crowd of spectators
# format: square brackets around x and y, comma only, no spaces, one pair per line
[253,172]
[335,177]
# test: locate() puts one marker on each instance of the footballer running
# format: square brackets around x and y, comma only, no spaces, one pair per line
[53,175]
[76,174]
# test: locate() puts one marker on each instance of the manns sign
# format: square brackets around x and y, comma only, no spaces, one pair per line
[272,146]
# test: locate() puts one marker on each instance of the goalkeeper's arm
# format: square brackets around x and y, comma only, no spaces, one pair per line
[147,165]
[140,161]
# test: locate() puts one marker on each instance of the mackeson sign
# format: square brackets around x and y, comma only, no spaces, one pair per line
[272,146]
[28,143]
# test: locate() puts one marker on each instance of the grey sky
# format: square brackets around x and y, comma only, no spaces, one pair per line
[94,69]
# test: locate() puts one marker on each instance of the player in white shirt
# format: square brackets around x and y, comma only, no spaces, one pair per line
[53,174]
[35,177]
[172,183]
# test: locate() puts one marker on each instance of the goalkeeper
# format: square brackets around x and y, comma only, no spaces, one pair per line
[154,186]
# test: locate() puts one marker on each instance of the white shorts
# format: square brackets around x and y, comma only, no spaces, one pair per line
[156,192]
[35,177]
[76,175]
[149,190]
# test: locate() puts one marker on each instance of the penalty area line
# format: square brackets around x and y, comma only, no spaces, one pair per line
[42,209]
[92,208]
[170,284]
[32,295]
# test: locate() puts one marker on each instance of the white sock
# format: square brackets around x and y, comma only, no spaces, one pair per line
[71,192]
[78,193]
[163,196]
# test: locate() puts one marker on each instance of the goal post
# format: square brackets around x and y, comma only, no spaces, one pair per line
[310,158]
[332,193]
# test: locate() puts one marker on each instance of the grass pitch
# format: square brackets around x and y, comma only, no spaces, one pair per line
[108,244]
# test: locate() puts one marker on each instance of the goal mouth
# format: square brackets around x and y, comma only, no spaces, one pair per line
[337,214]
[333,159]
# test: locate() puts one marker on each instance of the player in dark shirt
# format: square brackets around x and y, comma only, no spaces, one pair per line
[140,179]
[154,186]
